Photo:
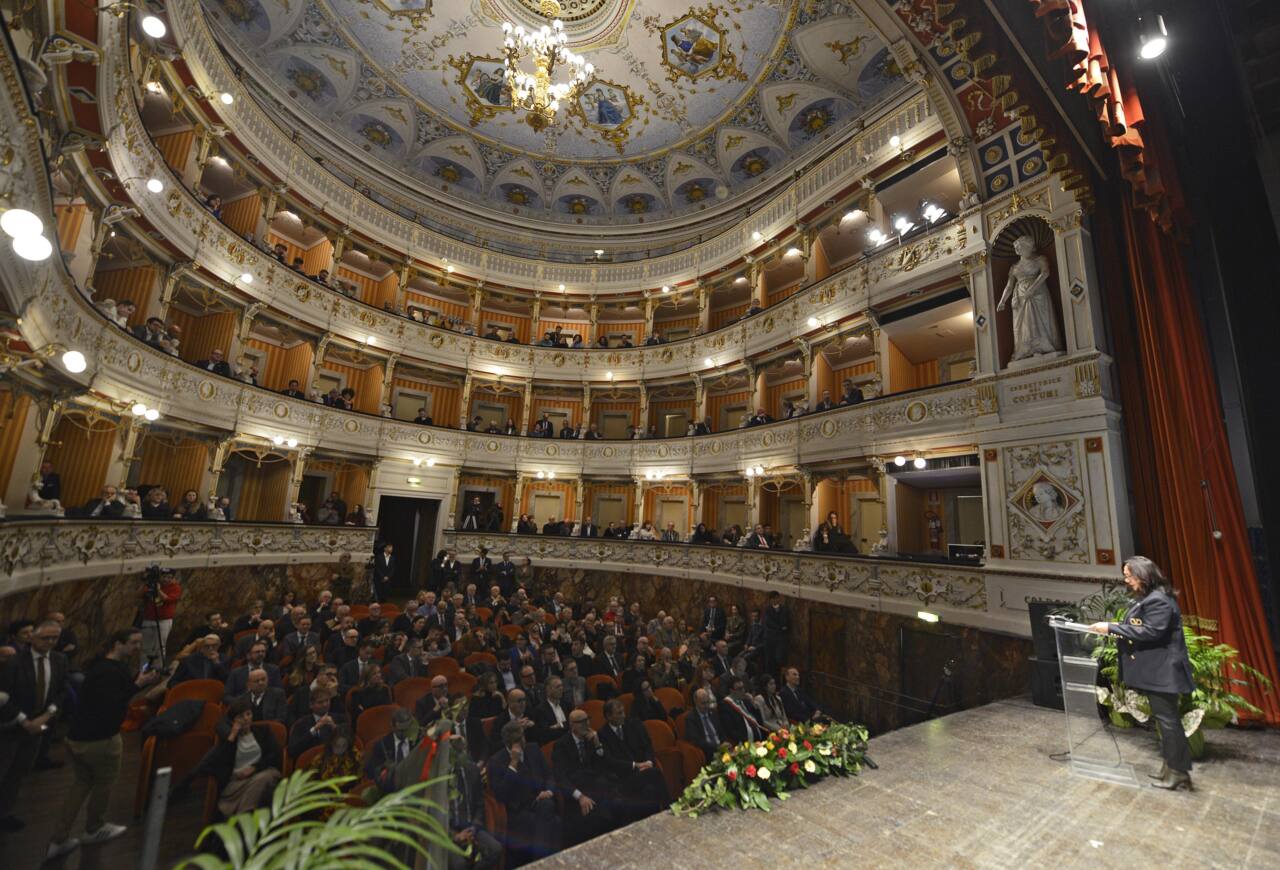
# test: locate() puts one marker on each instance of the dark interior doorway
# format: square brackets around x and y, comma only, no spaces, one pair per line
[409,524]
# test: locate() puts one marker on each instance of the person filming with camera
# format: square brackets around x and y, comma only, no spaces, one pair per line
[160,594]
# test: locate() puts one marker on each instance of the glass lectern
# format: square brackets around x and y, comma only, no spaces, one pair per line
[1094,752]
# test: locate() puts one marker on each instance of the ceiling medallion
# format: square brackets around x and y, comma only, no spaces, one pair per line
[536,93]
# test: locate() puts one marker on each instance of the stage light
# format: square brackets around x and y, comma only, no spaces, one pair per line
[792,252]
[756,236]
[246,278]
[74,362]
[34,248]
[278,440]
[895,140]
[154,27]
[919,462]
[599,252]
[226,98]
[876,237]
[19,223]
[899,461]
[138,409]
[813,322]
[1153,39]
[291,443]
[152,414]
[155,185]
[926,616]
[707,362]
[903,225]
[933,213]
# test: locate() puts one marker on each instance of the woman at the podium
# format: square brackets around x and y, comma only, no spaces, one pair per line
[1154,661]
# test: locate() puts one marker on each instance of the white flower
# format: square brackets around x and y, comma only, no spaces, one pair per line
[762,751]
[763,773]
[824,749]
[809,766]
[791,747]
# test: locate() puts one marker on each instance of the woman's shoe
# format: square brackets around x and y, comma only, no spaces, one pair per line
[1174,780]
[1164,771]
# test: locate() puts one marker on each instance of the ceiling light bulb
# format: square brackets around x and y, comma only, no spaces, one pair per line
[138,409]
[895,140]
[542,475]
[226,98]
[759,470]
[277,440]
[449,269]
[368,339]
[707,362]
[599,252]
[413,481]
[34,248]
[813,322]
[899,461]
[926,616]
[757,236]
[851,215]
[74,362]
[919,462]
[431,461]
[608,376]
[155,185]
[246,278]
[1153,39]
[750,472]
[417,463]
[154,27]
[666,289]
[876,236]
[561,288]
[291,443]
[793,252]
[551,475]
[18,223]
[740,280]
[152,414]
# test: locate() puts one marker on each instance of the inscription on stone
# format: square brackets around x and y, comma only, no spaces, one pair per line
[1035,391]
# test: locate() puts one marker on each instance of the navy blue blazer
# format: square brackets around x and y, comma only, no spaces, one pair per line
[1153,649]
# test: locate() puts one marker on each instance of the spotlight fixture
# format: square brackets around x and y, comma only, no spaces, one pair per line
[876,237]
[413,481]
[899,461]
[542,475]
[152,415]
[852,215]
[933,213]
[903,225]
[1153,39]
[246,278]
[813,322]
[895,140]
[138,409]
[154,88]
[926,616]
[368,339]
[757,236]
[708,363]
[18,223]
[561,288]
[34,248]
[792,252]
[920,463]
[291,443]
[741,279]
[599,252]
[666,289]
[154,27]
[608,376]
[155,185]
[277,440]
[74,362]
[226,98]
[755,470]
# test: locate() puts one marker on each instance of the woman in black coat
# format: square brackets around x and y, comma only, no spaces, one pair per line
[245,760]
[1153,659]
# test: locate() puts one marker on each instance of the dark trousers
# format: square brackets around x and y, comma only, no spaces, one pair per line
[17,756]
[1173,742]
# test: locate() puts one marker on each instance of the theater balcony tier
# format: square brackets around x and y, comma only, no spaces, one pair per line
[36,552]
[436,232]
[982,597]
[815,313]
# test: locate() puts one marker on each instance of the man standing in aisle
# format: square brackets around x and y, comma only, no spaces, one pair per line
[94,744]
[35,681]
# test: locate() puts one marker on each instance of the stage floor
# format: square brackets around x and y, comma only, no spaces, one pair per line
[977,789]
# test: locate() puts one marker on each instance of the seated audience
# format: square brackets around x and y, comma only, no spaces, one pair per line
[156,505]
[583,775]
[245,761]
[191,507]
[216,364]
[203,662]
[313,728]
[523,784]
[629,753]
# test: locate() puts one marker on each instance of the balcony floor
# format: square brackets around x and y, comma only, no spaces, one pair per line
[977,789]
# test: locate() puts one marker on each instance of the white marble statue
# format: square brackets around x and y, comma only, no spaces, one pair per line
[1035,328]
[804,543]
[38,505]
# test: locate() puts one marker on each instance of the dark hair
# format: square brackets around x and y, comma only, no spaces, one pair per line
[238,707]
[612,705]
[512,733]
[1148,575]
[122,635]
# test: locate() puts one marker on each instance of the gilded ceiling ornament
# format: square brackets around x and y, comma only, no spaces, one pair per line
[483,86]
[694,47]
[847,51]
[608,109]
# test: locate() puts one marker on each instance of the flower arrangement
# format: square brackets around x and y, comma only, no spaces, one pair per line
[747,775]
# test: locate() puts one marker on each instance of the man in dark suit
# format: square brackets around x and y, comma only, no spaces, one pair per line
[349,672]
[433,705]
[713,620]
[741,718]
[777,628]
[384,570]
[108,505]
[408,664]
[703,428]
[759,418]
[702,727]
[216,364]
[720,658]
[517,705]
[314,728]
[629,753]
[825,404]
[394,747]
[524,786]
[551,716]
[35,683]
[50,482]
[796,701]
[466,814]
[851,395]
[268,702]
[609,661]
[447,571]
[264,633]
[293,391]
[480,567]
[758,540]
[588,529]
[582,773]
[544,428]
[152,332]
[551,527]
[423,418]
[505,575]
[203,664]
[238,679]
[302,636]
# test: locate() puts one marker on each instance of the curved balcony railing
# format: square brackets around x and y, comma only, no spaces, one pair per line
[983,597]
[187,224]
[38,551]
[276,150]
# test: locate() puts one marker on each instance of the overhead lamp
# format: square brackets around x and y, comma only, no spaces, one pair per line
[876,236]
[750,472]
[561,288]
[417,463]
[154,27]
[154,88]
[599,252]
[226,98]
[155,185]
[152,415]
[431,461]
[551,475]
[899,461]
[1153,39]
[666,289]
[756,236]
[813,322]
[792,252]
[18,223]
[34,248]
[368,339]
[449,268]
[903,225]
[277,440]
[851,215]
[291,443]
[74,362]
[650,475]
[895,140]
[919,462]
[741,279]
[926,616]
[542,475]
[608,376]
[933,213]
[708,363]
[759,470]
[138,409]
[246,278]
[413,481]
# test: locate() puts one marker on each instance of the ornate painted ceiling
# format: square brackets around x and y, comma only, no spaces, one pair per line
[688,104]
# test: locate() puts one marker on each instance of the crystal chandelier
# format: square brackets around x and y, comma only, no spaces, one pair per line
[543,49]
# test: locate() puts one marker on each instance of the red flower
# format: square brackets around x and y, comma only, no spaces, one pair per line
[751,770]
[733,774]
[807,745]
[782,752]
[784,734]
[795,769]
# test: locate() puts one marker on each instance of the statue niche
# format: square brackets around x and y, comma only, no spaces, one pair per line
[1028,314]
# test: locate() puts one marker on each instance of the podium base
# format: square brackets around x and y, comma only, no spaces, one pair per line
[1116,774]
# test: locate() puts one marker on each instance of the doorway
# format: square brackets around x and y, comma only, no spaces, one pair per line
[610,509]
[613,424]
[731,417]
[406,404]
[675,424]
[410,524]
[673,510]
[733,512]
[315,488]
[793,519]
[547,505]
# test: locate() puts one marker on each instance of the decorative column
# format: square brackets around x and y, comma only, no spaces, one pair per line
[371,493]
[317,360]
[644,407]
[477,302]
[986,346]
[200,157]
[758,389]
[593,330]
[270,197]
[695,501]
[808,237]
[517,501]
[464,407]
[753,502]
[451,501]
[297,468]
[526,408]
[535,319]
[586,407]
[219,453]
[388,381]
[34,440]
[579,496]
[806,358]
[808,486]
[1077,283]
[648,314]
[638,497]
[888,519]
[759,284]
[407,274]
[128,430]
[242,332]
[170,287]
[699,398]
[704,308]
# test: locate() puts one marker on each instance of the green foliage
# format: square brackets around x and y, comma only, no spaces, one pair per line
[747,775]
[290,834]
